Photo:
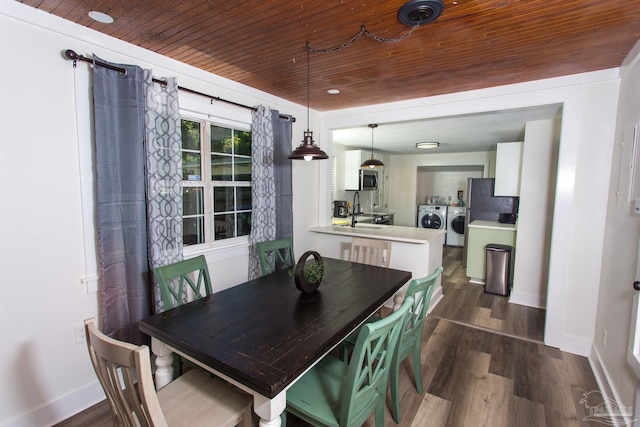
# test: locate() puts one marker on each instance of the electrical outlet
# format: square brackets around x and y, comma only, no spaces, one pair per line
[604,337]
[79,334]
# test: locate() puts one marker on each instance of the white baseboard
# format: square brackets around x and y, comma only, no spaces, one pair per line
[528,300]
[60,409]
[574,345]
[603,380]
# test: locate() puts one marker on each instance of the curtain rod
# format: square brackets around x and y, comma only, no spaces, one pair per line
[73,56]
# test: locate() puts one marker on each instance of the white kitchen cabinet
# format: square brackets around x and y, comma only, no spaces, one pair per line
[352,161]
[508,165]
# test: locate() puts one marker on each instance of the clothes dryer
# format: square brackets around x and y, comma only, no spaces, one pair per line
[432,216]
[455,225]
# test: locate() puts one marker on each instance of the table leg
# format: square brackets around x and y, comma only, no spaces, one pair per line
[269,410]
[397,300]
[164,363]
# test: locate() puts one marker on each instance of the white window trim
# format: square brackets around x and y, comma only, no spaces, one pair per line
[226,248]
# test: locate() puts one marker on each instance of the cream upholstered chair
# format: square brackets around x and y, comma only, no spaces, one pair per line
[370,251]
[194,399]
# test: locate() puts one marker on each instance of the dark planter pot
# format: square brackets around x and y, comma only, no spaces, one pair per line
[301,281]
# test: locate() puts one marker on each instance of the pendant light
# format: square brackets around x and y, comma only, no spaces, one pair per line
[372,163]
[308,150]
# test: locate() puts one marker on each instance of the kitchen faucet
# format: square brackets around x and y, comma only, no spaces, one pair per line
[356,208]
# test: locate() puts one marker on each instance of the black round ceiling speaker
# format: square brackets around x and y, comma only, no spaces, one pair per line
[420,12]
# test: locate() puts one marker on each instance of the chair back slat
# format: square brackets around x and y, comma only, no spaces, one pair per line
[368,369]
[370,251]
[420,290]
[183,281]
[124,371]
[275,255]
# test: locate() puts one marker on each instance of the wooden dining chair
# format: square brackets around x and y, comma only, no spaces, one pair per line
[180,283]
[183,281]
[336,393]
[410,341]
[370,251]
[194,399]
[275,255]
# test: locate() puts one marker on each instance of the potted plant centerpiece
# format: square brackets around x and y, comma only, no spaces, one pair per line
[308,273]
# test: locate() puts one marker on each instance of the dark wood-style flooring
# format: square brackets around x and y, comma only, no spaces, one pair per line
[467,304]
[484,364]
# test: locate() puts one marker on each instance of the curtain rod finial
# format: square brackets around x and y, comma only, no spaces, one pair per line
[70,54]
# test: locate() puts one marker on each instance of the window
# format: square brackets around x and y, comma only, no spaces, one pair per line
[216,168]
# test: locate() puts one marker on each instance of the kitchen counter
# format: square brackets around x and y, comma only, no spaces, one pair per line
[418,250]
[493,225]
[393,233]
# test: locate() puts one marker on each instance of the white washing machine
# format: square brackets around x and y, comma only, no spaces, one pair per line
[432,216]
[455,225]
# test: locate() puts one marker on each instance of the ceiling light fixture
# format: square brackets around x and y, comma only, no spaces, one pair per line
[308,150]
[420,12]
[100,17]
[427,145]
[372,163]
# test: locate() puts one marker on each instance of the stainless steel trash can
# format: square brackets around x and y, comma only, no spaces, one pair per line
[497,279]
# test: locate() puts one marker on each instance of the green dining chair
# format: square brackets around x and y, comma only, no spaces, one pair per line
[183,281]
[275,255]
[339,394]
[180,283]
[410,341]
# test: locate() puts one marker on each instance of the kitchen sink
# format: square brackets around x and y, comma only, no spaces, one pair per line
[369,225]
[363,225]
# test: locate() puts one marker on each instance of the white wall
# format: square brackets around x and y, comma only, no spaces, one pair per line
[537,184]
[404,176]
[620,254]
[46,375]
[444,183]
[584,162]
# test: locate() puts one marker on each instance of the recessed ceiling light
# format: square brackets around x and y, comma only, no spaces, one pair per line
[333,91]
[427,145]
[100,17]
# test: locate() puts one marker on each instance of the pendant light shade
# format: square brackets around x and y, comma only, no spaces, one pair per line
[308,150]
[372,163]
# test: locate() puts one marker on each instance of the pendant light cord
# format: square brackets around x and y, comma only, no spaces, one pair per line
[308,81]
[372,128]
[363,32]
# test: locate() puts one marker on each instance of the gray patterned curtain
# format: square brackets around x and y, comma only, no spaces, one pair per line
[271,192]
[125,286]
[163,143]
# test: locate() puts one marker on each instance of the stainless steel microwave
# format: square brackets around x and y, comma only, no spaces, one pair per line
[368,180]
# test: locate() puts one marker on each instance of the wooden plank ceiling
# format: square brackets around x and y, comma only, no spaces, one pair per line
[473,44]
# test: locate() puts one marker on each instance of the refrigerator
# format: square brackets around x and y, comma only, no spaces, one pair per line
[483,205]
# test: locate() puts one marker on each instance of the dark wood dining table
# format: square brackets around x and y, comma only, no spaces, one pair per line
[264,334]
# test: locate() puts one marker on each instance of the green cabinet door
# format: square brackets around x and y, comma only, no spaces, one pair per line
[478,239]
